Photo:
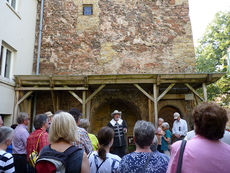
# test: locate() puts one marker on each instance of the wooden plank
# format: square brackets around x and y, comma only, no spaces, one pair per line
[194,91]
[76,96]
[24,97]
[205,92]
[165,92]
[48,88]
[94,93]
[84,103]
[155,104]
[144,92]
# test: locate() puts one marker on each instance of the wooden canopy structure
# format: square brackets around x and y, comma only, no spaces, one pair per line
[153,86]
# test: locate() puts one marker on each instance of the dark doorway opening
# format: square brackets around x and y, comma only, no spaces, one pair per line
[167,114]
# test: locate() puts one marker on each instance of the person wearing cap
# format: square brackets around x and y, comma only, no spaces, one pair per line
[120,128]
[82,135]
[180,127]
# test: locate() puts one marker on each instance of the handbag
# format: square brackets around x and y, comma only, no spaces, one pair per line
[180,159]
[34,155]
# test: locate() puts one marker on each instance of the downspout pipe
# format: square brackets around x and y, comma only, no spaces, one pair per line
[40,37]
[38,58]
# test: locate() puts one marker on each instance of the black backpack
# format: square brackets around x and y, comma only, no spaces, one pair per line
[54,161]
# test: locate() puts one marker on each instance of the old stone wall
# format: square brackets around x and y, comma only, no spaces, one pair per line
[121,37]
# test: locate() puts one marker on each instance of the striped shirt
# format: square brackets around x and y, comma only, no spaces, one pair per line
[6,162]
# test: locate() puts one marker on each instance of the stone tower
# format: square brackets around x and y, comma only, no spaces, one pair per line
[116,37]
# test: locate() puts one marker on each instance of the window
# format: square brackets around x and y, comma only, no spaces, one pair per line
[12,3]
[87,9]
[5,62]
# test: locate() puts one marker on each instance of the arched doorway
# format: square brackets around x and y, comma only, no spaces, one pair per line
[167,114]
[102,115]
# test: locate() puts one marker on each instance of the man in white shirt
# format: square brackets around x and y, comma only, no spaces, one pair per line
[180,127]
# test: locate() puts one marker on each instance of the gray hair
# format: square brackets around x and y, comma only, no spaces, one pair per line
[40,120]
[165,125]
[22,116]
[161,119]
[84,123]
[6,133]
[144,133]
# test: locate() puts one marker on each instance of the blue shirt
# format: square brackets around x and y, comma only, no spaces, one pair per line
[135,161]
[164,144]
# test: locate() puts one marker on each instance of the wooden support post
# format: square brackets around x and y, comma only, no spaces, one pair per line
[155,103]
[53,100]
[194,91]
[205,92]
[94,93]
[144,92]
[15,107]
[150,110]
[57,102]
[165,92]
[88,109]
[83,103]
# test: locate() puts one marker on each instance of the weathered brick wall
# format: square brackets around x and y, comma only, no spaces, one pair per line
[121,37]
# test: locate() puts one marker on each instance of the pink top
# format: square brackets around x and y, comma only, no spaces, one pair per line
[201,156]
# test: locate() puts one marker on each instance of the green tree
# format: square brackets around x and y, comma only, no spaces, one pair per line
[211,55]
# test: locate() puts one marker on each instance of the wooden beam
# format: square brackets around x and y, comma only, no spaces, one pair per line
[95,92]
[24,97]
[194,91]
[84,104]
[155,103]
[76,96]
[49,88]
[165,92]
[144,92]
[205,92]
[174,97]
[53,100]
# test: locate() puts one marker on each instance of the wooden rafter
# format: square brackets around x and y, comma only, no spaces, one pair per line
[165,92]
[144,92]
[76,96]
[95,92]
[194,91]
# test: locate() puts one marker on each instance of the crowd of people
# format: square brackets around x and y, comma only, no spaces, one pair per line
[63,144]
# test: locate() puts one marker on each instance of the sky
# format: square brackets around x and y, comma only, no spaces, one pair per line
[202,13]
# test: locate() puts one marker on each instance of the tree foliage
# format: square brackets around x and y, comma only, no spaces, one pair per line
[211,55]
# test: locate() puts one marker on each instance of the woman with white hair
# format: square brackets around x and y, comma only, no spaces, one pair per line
[62,134]
[6,159]
[143,159]
[166,138]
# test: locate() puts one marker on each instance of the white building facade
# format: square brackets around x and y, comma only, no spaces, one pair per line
[17,37]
